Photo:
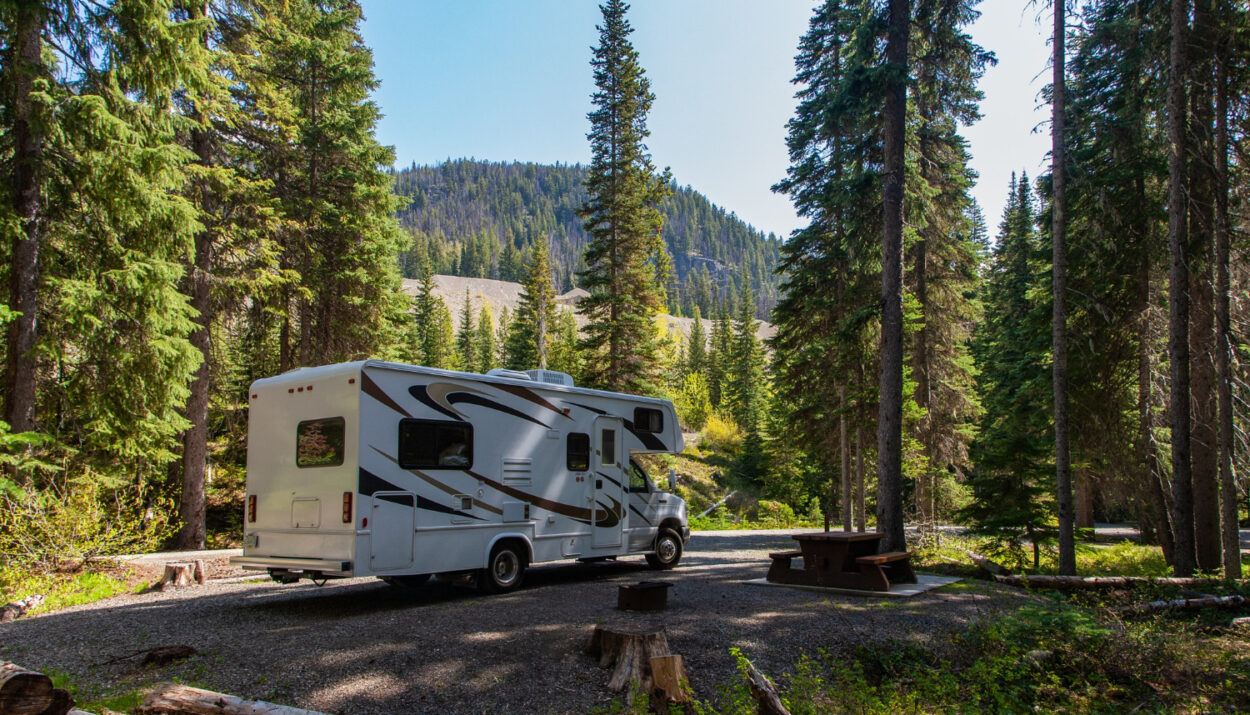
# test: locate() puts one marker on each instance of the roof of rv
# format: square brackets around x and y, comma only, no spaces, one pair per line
[345,368]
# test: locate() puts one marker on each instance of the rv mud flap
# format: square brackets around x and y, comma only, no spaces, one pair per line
[264,563]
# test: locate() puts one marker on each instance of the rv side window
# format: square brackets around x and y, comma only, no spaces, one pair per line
[319,443]
[577,456]
[638,481]
[431,444]
[648,420]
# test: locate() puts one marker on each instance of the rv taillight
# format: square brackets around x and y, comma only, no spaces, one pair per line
[347,507]
[251,507]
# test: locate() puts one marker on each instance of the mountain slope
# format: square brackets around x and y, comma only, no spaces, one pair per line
[477,219]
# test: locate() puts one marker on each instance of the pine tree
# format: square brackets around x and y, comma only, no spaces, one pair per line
[1011,480]
[485,348]
[529,340]
[343,237]
[627,262]
[696,353]
[745,386]
[466,336]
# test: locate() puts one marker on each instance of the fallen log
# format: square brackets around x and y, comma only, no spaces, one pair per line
[170,698]
[631,651]
[18,608]
[25,692]
[1184,604]
[764,691]
[1070,583]
[988,566]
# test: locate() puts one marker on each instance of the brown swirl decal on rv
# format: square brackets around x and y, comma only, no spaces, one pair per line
[607,516]
[437,484]
[371,388]
[527,394]
[371,483]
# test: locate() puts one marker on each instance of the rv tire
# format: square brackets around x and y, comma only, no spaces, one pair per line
[505,570]
[667,550]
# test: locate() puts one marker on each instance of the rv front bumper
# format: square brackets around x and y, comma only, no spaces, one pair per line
[685,534]
[327,567]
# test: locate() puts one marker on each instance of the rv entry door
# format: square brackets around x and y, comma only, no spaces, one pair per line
[608,483]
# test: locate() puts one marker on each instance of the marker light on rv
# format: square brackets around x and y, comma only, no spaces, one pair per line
[251,507]
[347,507]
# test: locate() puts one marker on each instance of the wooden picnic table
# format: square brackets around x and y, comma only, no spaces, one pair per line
[842,559]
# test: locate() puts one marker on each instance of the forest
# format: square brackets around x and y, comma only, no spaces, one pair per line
[197,199]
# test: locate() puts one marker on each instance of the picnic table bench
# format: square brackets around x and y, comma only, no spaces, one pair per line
[842,559]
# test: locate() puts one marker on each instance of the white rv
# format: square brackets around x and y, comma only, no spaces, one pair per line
[379,469]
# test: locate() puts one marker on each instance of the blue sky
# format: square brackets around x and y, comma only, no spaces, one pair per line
[505,80]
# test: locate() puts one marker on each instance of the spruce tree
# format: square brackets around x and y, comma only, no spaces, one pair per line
[529,339]
[485,348]
[626,261]
[1012,499]
[466,336]
[696,353]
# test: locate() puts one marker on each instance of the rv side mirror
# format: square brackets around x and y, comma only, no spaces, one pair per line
[672,480]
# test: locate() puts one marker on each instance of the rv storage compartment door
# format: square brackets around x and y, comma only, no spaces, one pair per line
[305,513]
[392,522]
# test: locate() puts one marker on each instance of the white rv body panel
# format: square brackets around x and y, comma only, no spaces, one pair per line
[375,468]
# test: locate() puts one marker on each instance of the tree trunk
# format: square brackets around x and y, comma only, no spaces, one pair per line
[1059,315]
[890,420]
[844,453]
[1147,451]
[1230,538]
[191,534]
[25,162]
[861,511]
[1204,433]
[920,372]
[1178,298]
[1084,502]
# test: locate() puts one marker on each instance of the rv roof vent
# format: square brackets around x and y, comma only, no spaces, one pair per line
[514,374]
[551,376]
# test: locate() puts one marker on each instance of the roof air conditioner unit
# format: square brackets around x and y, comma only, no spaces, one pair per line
[514,374]
[550,376]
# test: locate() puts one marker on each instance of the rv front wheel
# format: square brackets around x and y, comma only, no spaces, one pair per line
[505,570]
[667,550]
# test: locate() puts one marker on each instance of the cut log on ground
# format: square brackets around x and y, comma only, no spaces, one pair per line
[668,673]
[1185,604]
[179,574]
[1071,583]
[764,692]
[25,692]
[17,609]
[182,699]
[988,566]
[1240,622]
[631,651]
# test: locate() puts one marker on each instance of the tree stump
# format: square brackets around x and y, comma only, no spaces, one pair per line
[631,650]
[668,673]
[25,692]
[17,609]
[179,574]
[171,698]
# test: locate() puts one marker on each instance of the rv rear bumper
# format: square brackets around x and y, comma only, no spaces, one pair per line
[329,567]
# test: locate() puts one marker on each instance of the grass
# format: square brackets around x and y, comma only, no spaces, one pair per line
[60,589]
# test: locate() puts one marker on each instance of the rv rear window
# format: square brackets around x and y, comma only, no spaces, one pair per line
[648,420]
[319,443]
[432,444]
[578,454]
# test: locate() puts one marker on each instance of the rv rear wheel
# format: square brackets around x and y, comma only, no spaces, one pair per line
[667,550]
[505,570]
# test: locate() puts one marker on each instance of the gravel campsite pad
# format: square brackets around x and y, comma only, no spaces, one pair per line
[361,646]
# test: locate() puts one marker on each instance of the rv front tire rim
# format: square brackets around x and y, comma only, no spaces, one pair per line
[667,549]
[507,566]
